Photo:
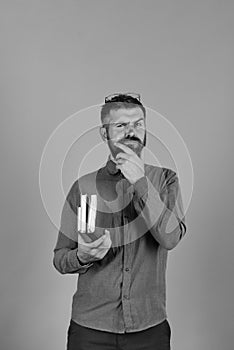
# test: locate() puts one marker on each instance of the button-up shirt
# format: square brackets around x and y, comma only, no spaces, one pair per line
[125,291]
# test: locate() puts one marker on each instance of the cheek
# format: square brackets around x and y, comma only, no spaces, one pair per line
[110,134]
[116,136]
[141,134]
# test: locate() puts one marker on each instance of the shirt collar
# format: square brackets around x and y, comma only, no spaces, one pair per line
[111,167]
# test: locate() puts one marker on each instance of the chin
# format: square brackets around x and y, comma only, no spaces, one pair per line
[133,147]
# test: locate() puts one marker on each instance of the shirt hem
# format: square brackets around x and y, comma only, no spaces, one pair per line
[120,332]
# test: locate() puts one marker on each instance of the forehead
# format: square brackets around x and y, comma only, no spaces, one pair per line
[124,114]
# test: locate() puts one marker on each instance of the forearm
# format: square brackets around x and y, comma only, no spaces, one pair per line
[65,256]
[169,229]
[66,262]
[161,221]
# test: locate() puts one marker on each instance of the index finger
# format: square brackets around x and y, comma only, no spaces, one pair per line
[126,149]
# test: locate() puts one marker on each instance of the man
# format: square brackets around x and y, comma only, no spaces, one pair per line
[120,298]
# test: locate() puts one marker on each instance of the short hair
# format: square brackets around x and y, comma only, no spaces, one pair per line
[120,101]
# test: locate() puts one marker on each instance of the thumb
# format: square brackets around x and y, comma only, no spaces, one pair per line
[107,240]
[107,232]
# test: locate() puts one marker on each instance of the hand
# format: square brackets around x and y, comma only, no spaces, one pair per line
[95,250]
[131,166]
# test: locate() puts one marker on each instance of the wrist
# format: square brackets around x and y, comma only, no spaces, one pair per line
[82,263]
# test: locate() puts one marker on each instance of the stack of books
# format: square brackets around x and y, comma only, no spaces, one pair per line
[86,213]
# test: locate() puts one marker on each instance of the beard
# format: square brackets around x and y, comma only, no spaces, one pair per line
[133,142]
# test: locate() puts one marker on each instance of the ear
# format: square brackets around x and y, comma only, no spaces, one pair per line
[103,133]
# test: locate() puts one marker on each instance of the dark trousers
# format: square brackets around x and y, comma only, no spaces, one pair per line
[154,338]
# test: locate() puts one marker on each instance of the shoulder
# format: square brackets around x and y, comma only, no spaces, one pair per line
[152,170]
[87,179]
[85,184]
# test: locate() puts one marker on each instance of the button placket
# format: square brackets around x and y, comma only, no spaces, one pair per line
[126,261]
[126,288]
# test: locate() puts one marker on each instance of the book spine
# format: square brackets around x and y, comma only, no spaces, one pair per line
[83,213]
[79,219]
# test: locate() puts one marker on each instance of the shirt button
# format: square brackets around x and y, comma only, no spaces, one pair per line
[127,269]
[126,297]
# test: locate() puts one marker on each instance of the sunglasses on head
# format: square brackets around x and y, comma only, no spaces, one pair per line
[123,97]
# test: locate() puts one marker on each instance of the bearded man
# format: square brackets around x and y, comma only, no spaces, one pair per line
[120,302]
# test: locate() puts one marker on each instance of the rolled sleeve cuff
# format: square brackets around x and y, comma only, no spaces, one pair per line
[81,268]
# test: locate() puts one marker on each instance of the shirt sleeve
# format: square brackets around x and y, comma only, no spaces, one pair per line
[65,253]
[161,208]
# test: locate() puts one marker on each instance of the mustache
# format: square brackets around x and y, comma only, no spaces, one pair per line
[131,138]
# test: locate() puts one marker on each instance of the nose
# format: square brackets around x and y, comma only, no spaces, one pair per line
[129,130]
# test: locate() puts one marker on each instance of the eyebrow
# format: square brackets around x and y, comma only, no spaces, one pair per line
[142,118]
[114,123]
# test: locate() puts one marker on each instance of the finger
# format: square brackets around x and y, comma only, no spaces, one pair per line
[92,244]
[120,167]
[106,235]
[120,161]
[107,240]
[98,242]
[134,160]
[122,155]
[101,249]
[126,157]
[126,149]
[101,252]
[123,165]
[107,244]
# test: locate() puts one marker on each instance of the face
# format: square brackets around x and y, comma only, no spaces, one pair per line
[126,126]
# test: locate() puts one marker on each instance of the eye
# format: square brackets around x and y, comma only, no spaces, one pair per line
[120,125]
[139,124]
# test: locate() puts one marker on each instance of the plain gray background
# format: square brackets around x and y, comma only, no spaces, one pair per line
[60,56]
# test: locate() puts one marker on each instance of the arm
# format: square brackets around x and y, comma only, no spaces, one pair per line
[65,253]
[162,211]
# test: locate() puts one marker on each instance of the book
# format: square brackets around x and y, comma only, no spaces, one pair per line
[79,219]
[83,201]
[92,213]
